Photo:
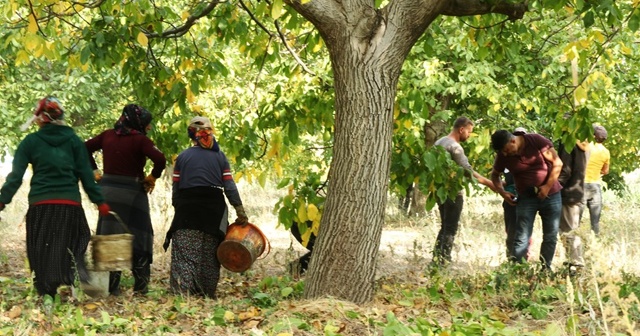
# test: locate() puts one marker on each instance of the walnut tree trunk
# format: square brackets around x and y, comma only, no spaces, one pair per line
[367,47]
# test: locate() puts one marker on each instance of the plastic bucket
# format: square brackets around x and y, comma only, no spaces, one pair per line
[241,247]
[112,252]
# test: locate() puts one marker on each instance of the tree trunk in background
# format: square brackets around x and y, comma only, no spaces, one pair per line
[432,132]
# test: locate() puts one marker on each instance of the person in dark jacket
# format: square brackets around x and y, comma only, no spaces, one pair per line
[57,229]
[125,150]
[571,178]
[201,180]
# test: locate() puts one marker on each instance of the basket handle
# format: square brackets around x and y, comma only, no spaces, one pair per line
[120,221]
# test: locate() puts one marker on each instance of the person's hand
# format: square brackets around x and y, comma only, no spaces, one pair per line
[97,175]
[543,191]
[104,209]
[242,218]
[509,198]
[149,183]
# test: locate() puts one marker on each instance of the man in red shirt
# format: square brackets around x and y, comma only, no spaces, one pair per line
[535,166]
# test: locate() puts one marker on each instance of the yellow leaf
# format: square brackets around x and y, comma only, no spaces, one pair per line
[597,35]
[187,64]
[305,238]
[185,15]
[302,213]
[238,176]
[625,50]
[142,39]
[22,58]
[190,97]
[318,46]
[312,212]
[496,107]
[580,95]
[246,315]
[32,42]
[315,227]
[284,334]
[278,168]
[33,25]
[91,306]
[229,316]
[276,9]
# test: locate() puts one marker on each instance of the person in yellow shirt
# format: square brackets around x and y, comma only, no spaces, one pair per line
[597,166]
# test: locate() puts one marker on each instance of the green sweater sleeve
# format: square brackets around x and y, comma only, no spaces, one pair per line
[14,179]
[85,172]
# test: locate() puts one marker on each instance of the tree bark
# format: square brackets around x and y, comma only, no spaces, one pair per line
[367,47]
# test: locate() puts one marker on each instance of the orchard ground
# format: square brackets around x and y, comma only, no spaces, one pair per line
[267,300]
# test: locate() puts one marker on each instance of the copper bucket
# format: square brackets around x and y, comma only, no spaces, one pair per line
[241,247]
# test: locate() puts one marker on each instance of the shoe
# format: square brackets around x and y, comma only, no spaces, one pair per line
[575,270]
[141,292]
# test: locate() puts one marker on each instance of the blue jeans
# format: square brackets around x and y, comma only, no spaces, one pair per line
[550,210]
[593,200]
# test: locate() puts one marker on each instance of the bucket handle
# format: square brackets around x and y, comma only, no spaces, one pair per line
[120,221]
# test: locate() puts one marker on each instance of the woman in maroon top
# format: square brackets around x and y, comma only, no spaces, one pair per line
[125,150]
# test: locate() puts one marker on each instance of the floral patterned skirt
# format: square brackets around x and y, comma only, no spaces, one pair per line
[195,269]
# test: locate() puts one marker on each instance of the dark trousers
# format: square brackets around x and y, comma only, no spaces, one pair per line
[510,222]
[450,211]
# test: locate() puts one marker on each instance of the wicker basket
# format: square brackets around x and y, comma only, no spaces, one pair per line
[112,252]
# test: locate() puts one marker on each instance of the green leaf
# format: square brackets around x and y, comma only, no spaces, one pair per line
[283,183]
[286,291]
[292,132]
[588,19]
[277,9]
[634,21]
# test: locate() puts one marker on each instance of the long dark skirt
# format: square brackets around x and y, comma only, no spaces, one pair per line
[57,239]
[195,268]
[127,198]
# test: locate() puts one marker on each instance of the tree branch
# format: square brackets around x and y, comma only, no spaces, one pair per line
[35,18]
[253,17]
[476,7]
[293,53]
[191,20]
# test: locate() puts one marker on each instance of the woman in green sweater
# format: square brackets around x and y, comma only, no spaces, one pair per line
[57,229]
